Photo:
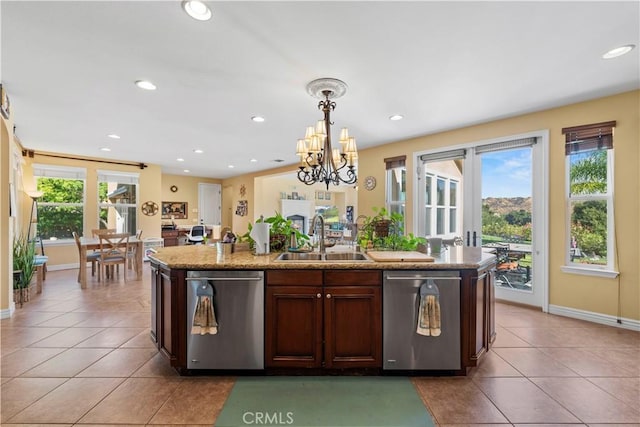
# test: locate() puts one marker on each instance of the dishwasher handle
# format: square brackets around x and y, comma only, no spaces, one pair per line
[226,279]
[422,278]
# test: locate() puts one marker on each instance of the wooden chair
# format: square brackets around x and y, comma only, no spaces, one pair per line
[131,255]
[114,248]
[96,232]
[93,257]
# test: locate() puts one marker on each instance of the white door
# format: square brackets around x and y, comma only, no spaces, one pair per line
[209,204]
[493,194]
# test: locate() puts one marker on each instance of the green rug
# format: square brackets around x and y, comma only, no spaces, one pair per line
[324,401]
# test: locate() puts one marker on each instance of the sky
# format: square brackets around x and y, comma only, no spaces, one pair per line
[506,173]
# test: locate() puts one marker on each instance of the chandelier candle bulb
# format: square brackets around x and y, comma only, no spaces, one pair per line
[344,135]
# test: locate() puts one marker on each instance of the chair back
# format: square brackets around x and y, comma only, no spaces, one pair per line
[96,232]
[197,230]
[138,234]
[114,246]
[77,239]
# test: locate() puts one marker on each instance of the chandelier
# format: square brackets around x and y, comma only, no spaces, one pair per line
[319,161]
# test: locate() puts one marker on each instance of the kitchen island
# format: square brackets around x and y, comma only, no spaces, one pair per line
[324,316]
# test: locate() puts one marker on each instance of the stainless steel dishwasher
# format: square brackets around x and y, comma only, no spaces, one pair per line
[238,304]
[403,348]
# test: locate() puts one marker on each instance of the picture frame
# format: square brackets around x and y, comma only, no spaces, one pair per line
[294,195]
[175,210]
[319,195]
[327,195]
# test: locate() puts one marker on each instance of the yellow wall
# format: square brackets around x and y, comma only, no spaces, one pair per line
[187,192]
[6,229]
[568,290]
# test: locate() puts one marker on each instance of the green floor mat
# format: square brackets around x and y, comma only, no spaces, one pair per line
[324,401]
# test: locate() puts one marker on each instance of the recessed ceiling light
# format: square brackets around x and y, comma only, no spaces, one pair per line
[618,51]
[257,119]
[278,160]
[187,170]
[198,151]
[254,160]
[113,136]
[145,84]
[105,149]
[396,117]
[180,159]
[197,10]
[231,166]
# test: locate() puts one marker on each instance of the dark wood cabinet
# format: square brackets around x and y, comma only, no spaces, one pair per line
[168,313]
[477,314]
[170,237]
[328,319]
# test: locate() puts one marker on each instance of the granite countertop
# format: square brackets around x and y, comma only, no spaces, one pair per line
[204,257]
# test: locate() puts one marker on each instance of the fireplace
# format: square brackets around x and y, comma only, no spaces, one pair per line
[300,222]
[298,211]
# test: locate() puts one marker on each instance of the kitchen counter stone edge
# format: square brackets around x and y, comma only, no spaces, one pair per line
[204,257]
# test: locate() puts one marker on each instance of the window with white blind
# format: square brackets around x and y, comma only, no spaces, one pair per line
[118,201]
[61,206]
[589,169]
[396,185]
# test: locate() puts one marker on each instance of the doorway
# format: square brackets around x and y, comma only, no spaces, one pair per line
[492,194]
[209,204]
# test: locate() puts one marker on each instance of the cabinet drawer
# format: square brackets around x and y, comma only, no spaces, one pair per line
[353,278]
[294,277]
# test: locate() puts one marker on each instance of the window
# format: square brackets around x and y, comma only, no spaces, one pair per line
[440,194]
[441,206]
[118,201]
[396,185]
[589,161]
[60,208]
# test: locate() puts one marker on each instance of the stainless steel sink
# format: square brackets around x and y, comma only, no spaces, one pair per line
[299,256]
[345,256]
[328,257]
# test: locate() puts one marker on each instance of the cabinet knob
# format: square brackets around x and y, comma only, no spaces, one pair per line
[328,295]
[319,295]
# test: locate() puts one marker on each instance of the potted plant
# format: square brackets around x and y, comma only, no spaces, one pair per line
[381,229]
[24,252]
[279,233]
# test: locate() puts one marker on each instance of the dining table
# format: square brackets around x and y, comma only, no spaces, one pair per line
[93,243]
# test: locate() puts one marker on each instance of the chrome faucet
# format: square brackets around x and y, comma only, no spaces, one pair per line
[312,231]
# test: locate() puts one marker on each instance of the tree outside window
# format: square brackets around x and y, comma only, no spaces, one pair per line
[61,206]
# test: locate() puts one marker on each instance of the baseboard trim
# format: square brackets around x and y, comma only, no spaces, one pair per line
[589,316]
[62,267]
[8,312]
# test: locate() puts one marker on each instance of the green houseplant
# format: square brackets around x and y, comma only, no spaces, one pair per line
[279,233]
[24,252]
[385,230]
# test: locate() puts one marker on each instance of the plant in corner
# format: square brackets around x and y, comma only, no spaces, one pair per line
[24,252]
[279,233]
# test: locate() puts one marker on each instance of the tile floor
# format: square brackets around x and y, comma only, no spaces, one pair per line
[84,357]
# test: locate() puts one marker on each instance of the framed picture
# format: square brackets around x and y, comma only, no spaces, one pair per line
[294,195]
[319,195]
[175,210]
[327,195]
[243,207]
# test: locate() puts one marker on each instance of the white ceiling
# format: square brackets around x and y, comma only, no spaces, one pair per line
[69,68]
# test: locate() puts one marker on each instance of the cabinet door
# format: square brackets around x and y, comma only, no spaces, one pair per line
[154,304]
[293,326]
[164,311]
[353,327]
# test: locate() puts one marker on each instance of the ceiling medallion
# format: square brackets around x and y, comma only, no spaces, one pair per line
[319,161]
